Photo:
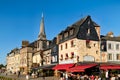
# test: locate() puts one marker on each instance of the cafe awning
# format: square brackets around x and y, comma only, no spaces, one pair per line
[63,66]
[81,67]
[107,67]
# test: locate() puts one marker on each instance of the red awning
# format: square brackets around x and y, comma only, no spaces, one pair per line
[107,67]
[81,68]
[63,66]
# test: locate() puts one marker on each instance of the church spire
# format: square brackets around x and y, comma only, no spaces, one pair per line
[42,34]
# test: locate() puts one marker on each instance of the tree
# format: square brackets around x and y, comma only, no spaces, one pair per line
[1,65]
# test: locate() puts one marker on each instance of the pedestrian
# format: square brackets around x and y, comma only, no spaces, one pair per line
[61,76]
[43,76]
[27,76]
[70,76]
[92,77]
[78,76]
[6,74]
[107,75]
[33,74]
[97,78]
[66,76]
[112,77]
[18,73]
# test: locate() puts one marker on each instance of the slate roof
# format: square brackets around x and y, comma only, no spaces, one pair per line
[33,44]
[13,51]
[80,22]
[76,27]
[111,38]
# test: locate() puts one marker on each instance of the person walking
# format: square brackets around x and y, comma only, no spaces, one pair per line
[92,77]
[18,73]
[61,75]
[66,76]
[27,76]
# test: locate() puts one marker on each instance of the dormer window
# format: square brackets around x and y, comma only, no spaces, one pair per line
[88,22]
[66,34]
[71,31]
[88,32]
[60,37]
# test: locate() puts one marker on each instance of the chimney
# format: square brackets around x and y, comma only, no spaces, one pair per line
[110,34]
[25,43]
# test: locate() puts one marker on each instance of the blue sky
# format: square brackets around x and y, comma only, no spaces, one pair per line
[20,19]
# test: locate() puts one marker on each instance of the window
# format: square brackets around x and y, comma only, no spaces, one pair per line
[65,45]
[88,32]
[109,56]
[60,37]
[109,46]
[97,52]
[71,31]
[66,56]
[88,22]
[102,47]
[61,57]
[88,44]
[72,55]
[54,49]
[72,44]
[61,47]
[77,58]
[117,46]
[94,44]
[54,58]
[66,35]
[118,56]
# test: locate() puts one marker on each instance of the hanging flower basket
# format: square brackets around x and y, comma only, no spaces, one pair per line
[66,58]
[61,59]
[87,41]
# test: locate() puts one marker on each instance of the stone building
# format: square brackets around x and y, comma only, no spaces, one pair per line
[80,42]
[13,61]
[26,56]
